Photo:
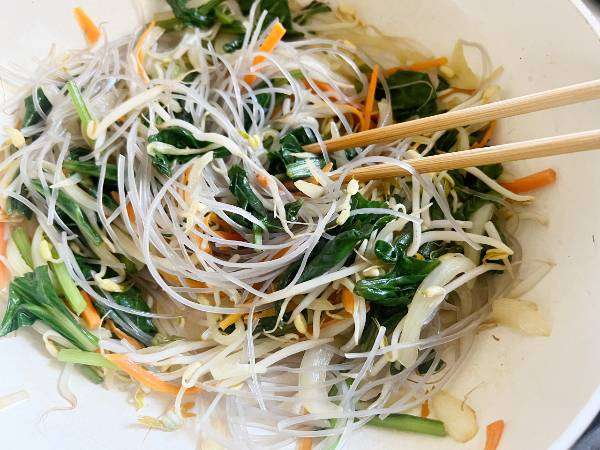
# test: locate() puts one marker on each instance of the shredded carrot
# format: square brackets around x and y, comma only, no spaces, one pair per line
[128,206]
[348,300]
[91,31]
[122,335]
[370,100]
[90,316]
[530,182]
[267,46]
[144,376]
[486,136]
[494,433]
[4,272]
[304,443]
[320,84]
[420,66]
[139,54]
[425,409]
[262,180]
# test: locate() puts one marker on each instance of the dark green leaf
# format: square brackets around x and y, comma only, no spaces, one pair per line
[334,252]
[31,116]
[90,168]
[385,252]
[132,298]
[33,296]
[233,45]
[292,209]
[14,206]
[412,94]
[202,17]
[72,209]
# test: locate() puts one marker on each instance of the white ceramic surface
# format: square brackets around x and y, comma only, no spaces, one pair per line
[542,387]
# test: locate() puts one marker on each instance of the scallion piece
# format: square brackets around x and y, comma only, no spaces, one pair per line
[23,243]
[407,422]
[74,355]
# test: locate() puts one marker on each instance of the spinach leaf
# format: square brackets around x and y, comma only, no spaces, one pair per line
[132,298]
[90,168]
[399,285]
[179,138]
[233,45]
[14,206]
[435,249]
[292,209]
[334,252]
[385,252]
[72,209]
[292,143]
[277,9]
[31,116]
[241,189]
[412,94]
[139,327]
[202,17]
[33,297]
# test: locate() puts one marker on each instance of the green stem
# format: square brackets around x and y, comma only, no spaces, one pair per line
[82,110]
[407,422]
[74,298]
[73,355]
[90,168]
[91,374]
[21,240]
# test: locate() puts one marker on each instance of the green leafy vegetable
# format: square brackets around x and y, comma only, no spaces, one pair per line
[68,286]
[333,253]
[82,110]
[179,138]
[407,422]
[412,94]
[399,285]
[139,327]
[202,17]
[90,168]
[14,206]
[33,297]
[74,355]
[292,143]
[23,243]
[72,209]
[31,116]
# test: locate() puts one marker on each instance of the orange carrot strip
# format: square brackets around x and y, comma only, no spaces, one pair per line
[262,180]
[139,55]
[530,182]
[370,100]
[493,434]
[304,443]
[420,66]
[122,335]
[348,300]
[486,136]
[425,409]
[90,316]
[144,376]
[91,31]
[185,409]
[267,46]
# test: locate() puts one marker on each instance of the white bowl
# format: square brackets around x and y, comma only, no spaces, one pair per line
[544,388]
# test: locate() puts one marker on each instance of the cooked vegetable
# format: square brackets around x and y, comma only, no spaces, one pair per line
[73,355]
[493,434]
[412,94]
[33,297]
[31,115]
[531,182]
[458,418]
[413,424]
[91,31]
[21,240]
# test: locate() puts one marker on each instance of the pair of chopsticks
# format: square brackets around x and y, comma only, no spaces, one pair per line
[536,148]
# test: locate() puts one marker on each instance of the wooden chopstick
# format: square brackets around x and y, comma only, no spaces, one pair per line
[567,95]
[537,148]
